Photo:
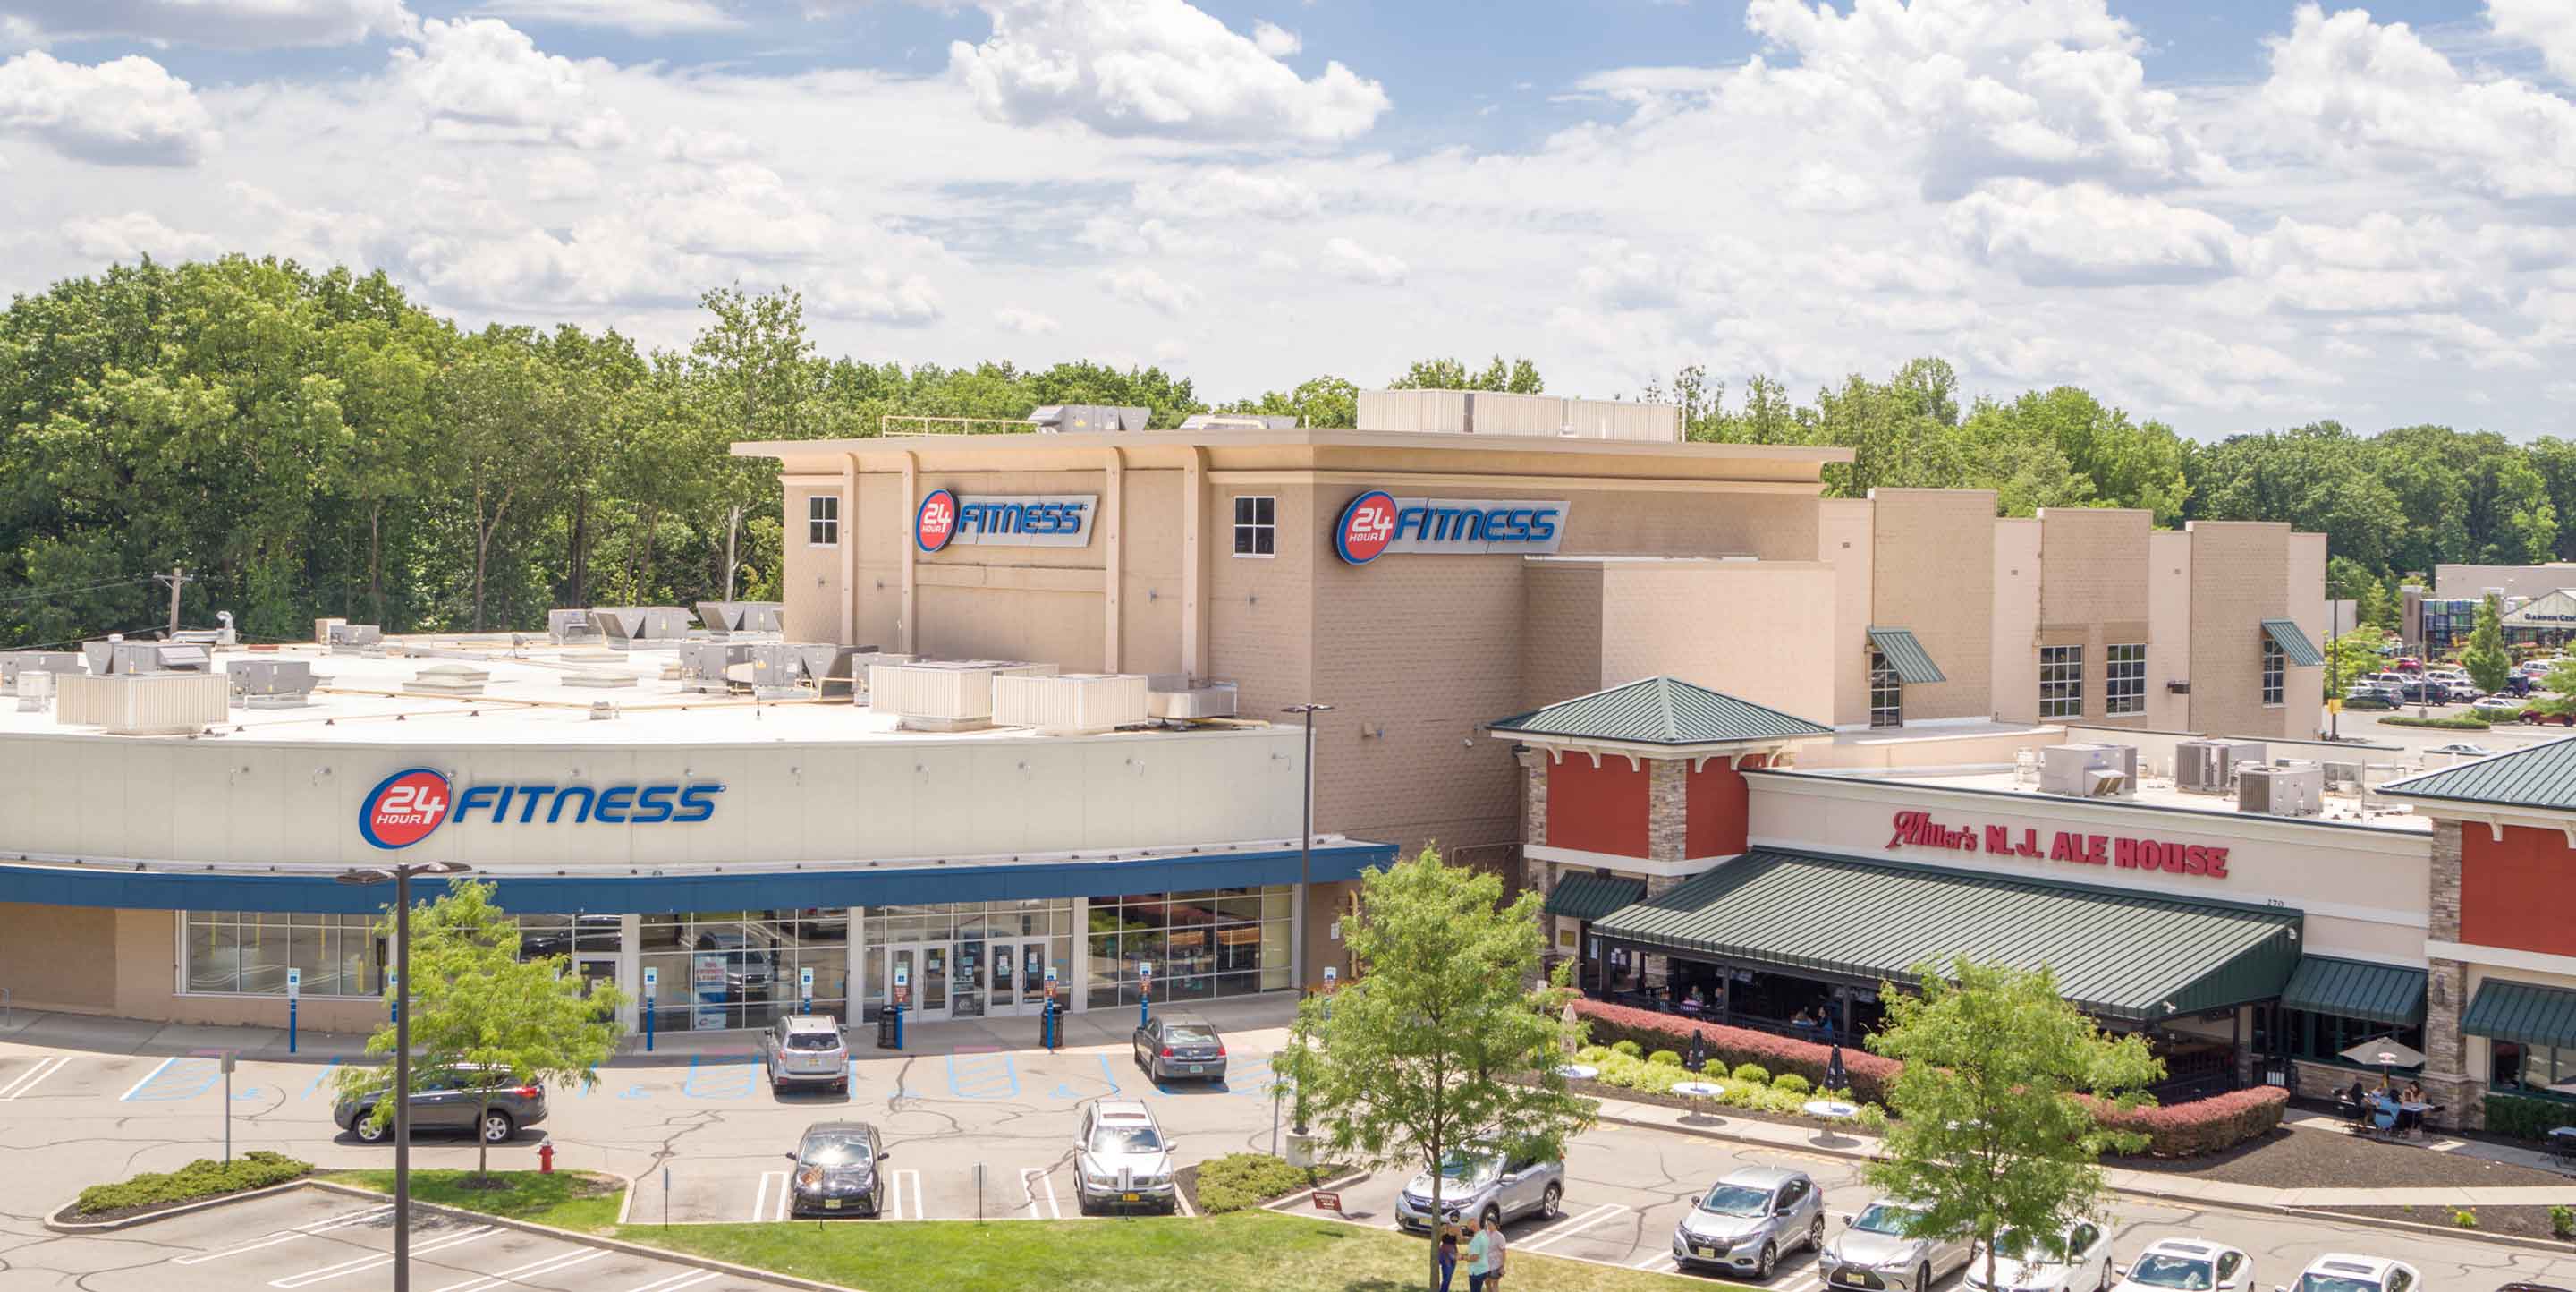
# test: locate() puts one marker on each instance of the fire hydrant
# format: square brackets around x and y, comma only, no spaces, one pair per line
[545,1157]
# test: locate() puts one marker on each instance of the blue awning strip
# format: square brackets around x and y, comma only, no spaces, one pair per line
[652,894]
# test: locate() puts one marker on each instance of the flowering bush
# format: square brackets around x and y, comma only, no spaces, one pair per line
[2202,1125]
[1869,1074]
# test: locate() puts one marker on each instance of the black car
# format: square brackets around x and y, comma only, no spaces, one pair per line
[838,1171]
[1180,1045]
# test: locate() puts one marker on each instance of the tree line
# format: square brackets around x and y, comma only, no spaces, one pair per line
[314,443]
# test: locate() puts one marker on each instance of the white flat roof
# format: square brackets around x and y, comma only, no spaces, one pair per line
[2153,791]
[365,699]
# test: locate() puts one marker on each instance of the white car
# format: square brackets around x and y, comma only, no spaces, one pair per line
[2499,704]
[2188,1265]
[2462,750]
[2338,1272]
[2075,1259]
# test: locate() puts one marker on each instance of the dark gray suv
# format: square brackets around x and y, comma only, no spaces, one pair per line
[451,1099]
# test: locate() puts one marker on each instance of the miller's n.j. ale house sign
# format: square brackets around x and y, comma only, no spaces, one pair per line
[1917,829]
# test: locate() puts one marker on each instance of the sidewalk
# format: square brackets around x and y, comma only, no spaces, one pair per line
[2151,1184]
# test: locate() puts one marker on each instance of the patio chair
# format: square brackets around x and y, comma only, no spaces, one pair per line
[2384,1121]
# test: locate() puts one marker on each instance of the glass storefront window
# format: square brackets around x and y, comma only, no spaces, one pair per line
[1203,945]
[249,952]
[2532,1069]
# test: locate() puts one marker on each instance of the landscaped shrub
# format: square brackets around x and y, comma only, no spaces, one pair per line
[1241,1181]
[2464,1218]
[1627,1047]
[1792,1083]
[1753,1072]
[2202,1125]
[2562,1221]
[1665,1058]
[203,1178]
[1869,1074]
[2521,1118]
[1591,1054]
[2437,724]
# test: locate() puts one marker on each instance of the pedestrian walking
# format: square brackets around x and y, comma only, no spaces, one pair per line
[1448,1255]
[1485,1258]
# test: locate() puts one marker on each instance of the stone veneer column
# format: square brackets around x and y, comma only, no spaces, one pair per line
[1536,875]
[2446,984]
[1667,809]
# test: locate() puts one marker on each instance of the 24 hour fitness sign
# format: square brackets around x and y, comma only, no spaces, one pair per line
[1919,830]
[1050,520]
[406,807]
[1377,522]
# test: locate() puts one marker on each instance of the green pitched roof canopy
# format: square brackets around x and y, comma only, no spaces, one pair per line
[2539,776]
[1585,896]
[2117,954]
[1912,663]
[2524,1012]
[2380,993]
[1660,711]
[2294,643]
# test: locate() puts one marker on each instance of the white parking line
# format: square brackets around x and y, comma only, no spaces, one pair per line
[548,1265]
[675,1282]
[380,1259]
[763,1207]
[147,1079]
[1037,1185]
[317,1227]
[1659,1261]
[1568,1228]
[27,1080]
[895,1208]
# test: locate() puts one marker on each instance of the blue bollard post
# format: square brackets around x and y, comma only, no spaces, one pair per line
[648,1025]
[898,1025]
[290,1025]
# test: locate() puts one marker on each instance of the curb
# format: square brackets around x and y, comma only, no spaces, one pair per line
[56,1223]
[1282,1203]
[645,1250]
[2158,1195]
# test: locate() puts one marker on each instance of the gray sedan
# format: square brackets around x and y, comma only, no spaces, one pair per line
[1180,1045]
[485,1101]
[1745,1221]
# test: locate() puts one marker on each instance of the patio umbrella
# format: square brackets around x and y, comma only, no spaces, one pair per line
[2387,1053]
[1835,1077]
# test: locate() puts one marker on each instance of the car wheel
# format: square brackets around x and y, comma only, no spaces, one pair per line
[1547,1201]
[1768,1262]
[1816,1234]
[498,1128]
[1923,1277]
[368,1129]
[2105,1285]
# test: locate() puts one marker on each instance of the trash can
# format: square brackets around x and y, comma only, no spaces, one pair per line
[890,1028]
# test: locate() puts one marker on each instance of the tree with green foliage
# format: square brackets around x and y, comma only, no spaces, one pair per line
[475,1003]
[2489,664]
[2352,654]
[1992,1131]
[1519,377]
[1440,1052]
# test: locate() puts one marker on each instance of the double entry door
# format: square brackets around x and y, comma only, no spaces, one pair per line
[973,978]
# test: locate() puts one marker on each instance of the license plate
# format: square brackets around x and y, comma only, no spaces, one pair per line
[1128,1197]
[831,1204]
[1704,1251]
[1846,1277]
[1190,1067]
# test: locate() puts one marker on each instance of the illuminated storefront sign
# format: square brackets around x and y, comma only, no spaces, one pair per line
[1916,829]
[406,807]
[1053,520]
[1377,523]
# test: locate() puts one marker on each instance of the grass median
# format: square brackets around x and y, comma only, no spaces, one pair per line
[1248,1251]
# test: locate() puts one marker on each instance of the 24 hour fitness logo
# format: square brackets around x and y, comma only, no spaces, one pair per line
[1367,527]
[936,522]
[403,808]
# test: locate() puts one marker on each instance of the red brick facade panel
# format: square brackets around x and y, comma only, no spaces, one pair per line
[1597,809]
[1718,811]
[2513,891]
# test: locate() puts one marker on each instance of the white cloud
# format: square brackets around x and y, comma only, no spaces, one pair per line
[1350,260]
[220,24]
[1122,233]
[1272,39]
[126,112]
[1226,193]
[556,176]
[642,17]
[2546,25]
[1025,322]
[685,145]
[482,80]
[132,236]
[1171,350]
[1153,67]
[878,295]
[1145,287]
[2376,95]
[2085,235]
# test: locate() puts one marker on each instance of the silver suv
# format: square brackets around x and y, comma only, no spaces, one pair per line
[1880,1252]
[1747,1219]
[1120,1159]
[805,1050]
[1478,1182]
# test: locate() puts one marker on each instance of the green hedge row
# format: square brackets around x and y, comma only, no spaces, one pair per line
[2525,1118]
[1242,1181]
[2441,724]
[203,1178]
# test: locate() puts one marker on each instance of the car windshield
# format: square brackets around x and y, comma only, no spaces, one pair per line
[1189,1036]
[1469,1166]
[813,1041]
[1736,1200]
[2315,1282]
[2020,1245]
[2157,1270]
[1883,1218]
[834,1150]
[1125,1139]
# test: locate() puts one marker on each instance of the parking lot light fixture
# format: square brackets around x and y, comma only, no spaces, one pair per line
[401,875]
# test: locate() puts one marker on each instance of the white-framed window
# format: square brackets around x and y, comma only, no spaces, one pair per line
[1256,525]
[1886,692]
[823,520]
[2061,681]
[2124,690]
[2274,668]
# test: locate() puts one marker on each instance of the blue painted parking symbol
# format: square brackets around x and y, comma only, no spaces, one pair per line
[983,1076]
[719,1076]
[176,1079]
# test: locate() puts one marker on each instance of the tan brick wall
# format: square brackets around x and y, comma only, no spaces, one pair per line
[2015,676]
[2169,611]
[1932,571]
[2238,579]
[2307,573]
[2093,591]
[1757,630]
[62,957]
[1150,584]
[1561,643]
[1844,541]
[883,529]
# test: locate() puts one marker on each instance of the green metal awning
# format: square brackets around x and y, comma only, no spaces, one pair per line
[2294,643]
[2524,1012]
[1589,897]
[2117,954]
[2392,994]
[1912,663]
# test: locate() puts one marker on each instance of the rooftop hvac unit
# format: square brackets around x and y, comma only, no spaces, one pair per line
[628,627]
[2209,766]
[451,679]
[942,695]
[1238,422]
[117,655]
[1074,419]
[820,668]
[1070,703]
[723,618]
[218,636]
[272,683]
[1170,695]
[707,666]
[2281,789]
[356,636]
[2088,771]
[12,663]
[322,630]
[143,704]
[34,688]
[564,626]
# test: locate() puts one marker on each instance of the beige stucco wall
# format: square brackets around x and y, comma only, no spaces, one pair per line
[2240,576]
[1561,644]
[1757,630]
[2093,591]
[1932,571]
[61,958]
[2452,581]
[2169,611]
[1844,535]
[2307,573]
[811,574]
[2014,672]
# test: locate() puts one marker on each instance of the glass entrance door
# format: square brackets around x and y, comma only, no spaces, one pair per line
[1018,980]
[966,998]
[924,967]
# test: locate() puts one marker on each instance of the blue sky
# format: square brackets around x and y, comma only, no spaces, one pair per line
[2225,214]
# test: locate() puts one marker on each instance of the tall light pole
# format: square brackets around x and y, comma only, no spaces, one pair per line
[401,875]
[1305,866]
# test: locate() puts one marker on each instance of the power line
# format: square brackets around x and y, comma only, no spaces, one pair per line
[86,587]
[84,637]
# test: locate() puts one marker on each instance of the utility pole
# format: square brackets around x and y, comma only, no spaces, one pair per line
[733,521]
[177,576]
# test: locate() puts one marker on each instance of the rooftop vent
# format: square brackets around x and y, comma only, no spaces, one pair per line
[599,679]
[451,679]
[942,695]
[272,683]
[1238,422]
[2089,771]
[567,626]
[142,704]
[723,618]
[2281,789]
[1170,695]
[2209,766]
[1069,419]
[13,663]
[629,627]
[1070,703]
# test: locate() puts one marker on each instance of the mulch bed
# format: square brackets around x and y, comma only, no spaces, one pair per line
[2290,1158]
[2525,1222]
